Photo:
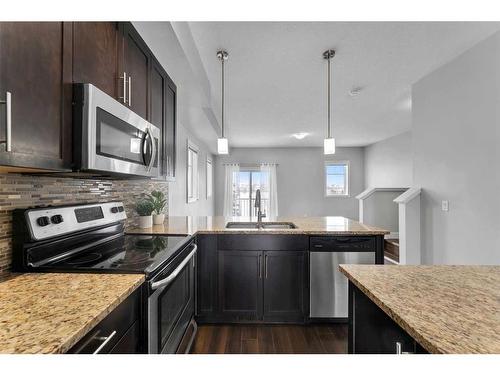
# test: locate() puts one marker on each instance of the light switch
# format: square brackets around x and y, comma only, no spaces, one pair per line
[445,205]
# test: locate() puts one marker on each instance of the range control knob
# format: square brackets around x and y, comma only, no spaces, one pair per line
[120,208]
[43,221]
[114,210]
[56,219]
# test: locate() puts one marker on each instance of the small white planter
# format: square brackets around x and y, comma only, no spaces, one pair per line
[158,219]
[145,221]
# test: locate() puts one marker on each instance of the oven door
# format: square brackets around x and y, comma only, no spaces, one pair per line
[115,139]
[171,306]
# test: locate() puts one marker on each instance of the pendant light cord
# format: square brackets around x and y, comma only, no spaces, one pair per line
[329,99]
[222,97]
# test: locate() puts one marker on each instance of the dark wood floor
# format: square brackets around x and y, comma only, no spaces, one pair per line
[271,339]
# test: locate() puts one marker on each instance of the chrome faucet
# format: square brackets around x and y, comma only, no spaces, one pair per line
[258,205]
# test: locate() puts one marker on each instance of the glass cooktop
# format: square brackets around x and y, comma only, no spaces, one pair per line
[128,254]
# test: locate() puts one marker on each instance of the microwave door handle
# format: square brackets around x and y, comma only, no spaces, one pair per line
[153,152]
[167,280]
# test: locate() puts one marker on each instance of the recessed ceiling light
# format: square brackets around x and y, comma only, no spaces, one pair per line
[355,91]
[300,135]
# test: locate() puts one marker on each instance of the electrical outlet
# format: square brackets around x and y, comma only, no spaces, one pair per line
[445,205]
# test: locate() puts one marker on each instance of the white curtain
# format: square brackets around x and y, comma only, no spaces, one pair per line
[231,186]
[269,189]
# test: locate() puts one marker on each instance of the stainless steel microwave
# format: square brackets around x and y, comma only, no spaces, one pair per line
[110,139]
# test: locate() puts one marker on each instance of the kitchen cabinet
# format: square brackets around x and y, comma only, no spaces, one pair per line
[96,56]
[163,108]
[371,331]
[136,62]
[240,285]
[118,333]
[39,62]
[36,69]
[285,285]
[252,278]
[206,278]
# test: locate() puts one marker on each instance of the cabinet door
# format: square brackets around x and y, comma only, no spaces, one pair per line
[240,285]
[35,67]
[206,291]
[285,286]
[163,115]
[95,56]
[136,59]
[170,131]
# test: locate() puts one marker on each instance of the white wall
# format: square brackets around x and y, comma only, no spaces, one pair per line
[177,195]
[456,142]
[300,176]
[389,163]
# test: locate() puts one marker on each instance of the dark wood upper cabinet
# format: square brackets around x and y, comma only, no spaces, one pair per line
[39,62]
[285,281]
[163,115]
[35,67]
[96,56]
[136,63]
[240,285]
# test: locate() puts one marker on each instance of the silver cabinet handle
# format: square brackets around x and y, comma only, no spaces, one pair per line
[265,266]
[399,348]
[129,91]
[8,121]
[104,343]
[260,267]
[167,280]
[124,88]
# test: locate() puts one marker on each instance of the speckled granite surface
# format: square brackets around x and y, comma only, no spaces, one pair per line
[217,224]
[50,312]
[447,309]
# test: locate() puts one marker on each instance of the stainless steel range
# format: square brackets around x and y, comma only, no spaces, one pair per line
[91,238]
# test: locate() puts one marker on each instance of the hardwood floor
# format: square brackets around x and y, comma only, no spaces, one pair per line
[271,339]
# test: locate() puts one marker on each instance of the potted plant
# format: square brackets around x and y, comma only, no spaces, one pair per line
[159,201]
[144,209]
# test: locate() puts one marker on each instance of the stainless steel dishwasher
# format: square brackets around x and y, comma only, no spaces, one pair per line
[328,286]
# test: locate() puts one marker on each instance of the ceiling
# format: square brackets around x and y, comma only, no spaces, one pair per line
[276,76]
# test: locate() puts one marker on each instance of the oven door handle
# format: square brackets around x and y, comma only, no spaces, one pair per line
[167,280]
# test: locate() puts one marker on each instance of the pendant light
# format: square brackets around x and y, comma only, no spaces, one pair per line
[222,143]
[329,143]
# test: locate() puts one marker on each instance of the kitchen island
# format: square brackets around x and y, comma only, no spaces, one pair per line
[282,273]
[418,309]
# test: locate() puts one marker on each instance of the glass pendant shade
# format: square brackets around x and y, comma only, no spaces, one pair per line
[329,146]
[222,146]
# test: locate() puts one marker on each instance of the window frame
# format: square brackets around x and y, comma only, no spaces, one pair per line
[195,173]
[250,169]
[347,179]
[210,181]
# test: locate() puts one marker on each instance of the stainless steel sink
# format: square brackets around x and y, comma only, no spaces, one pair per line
[266,225]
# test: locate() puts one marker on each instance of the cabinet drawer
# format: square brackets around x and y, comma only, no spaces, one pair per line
[347,243]
[260,242]
[118,321]
[130,342]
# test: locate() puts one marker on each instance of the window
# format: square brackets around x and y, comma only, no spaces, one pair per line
[192,172]
[245,185]
[336,179]
[209,178]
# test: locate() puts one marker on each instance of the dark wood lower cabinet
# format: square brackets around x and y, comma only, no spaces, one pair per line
[240,285]
[285,286]
[121,332]
[372,331]
[252,278]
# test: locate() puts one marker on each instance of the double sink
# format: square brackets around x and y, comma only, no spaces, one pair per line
[265,225]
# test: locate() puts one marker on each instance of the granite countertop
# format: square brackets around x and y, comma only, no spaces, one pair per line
[191,225]
[446,309]
[50,312]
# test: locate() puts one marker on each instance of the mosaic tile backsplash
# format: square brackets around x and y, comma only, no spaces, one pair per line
[21,191]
